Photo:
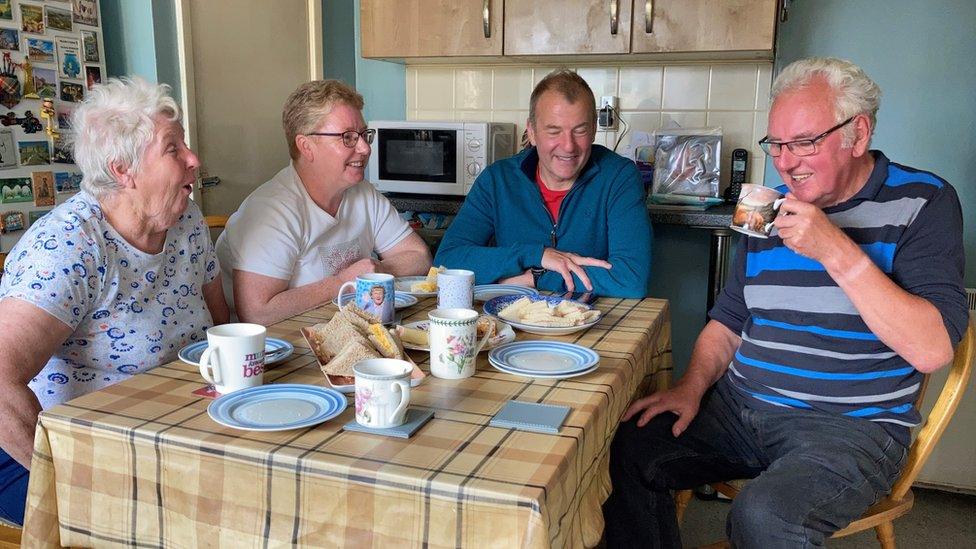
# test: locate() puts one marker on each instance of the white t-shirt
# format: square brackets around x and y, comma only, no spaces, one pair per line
[129,311]
[280,232]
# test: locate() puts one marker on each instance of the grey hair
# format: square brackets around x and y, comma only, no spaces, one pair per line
[115,125]
[855,92]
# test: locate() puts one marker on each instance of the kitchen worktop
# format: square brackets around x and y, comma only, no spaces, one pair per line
[714,217]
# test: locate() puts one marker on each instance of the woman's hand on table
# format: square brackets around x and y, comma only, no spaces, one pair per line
[682,401]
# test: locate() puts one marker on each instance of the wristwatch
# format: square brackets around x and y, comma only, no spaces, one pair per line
[536,273]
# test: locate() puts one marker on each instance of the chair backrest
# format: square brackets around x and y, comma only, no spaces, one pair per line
[216,221]
[938,418]
[3,259]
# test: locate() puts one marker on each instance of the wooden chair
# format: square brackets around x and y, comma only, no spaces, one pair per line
[9,535]
[880,515]
[3,259]
[216,221]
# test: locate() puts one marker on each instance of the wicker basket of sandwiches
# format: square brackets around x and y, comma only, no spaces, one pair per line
[350,336]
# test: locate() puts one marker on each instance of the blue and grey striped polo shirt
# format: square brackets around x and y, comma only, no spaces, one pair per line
[804,345]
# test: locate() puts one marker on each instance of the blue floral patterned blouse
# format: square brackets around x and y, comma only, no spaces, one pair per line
[130,311]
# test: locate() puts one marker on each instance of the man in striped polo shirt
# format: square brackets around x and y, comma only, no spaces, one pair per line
[806,374]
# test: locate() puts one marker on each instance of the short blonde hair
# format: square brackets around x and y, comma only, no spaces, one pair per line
[310,103]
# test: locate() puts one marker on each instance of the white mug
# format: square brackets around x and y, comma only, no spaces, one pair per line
[455,289]
[453,342]
[234,357]
[382,392]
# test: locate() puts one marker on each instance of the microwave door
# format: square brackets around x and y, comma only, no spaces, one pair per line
[422,156]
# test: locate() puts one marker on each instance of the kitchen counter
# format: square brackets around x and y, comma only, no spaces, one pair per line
[716,217]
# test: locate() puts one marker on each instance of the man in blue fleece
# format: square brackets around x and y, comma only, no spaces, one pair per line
[561,215]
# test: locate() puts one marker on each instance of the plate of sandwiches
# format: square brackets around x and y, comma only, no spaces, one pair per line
[544,315]
[418,286]
[414,335]
[350,336]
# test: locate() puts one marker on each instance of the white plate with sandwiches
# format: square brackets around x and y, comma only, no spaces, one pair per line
[418,286]
[350,336]
[414,335]
[543,315]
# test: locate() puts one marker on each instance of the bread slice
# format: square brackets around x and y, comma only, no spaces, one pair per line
[383,341]
[342,363]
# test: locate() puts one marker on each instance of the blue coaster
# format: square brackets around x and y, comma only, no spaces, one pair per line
[530,416]
[415,419]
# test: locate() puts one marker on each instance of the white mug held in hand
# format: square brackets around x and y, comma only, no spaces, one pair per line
[382,392]
[756,210]
[453,342]
[455,289]
[234,357]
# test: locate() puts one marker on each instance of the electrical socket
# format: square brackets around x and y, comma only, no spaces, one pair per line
[606,118]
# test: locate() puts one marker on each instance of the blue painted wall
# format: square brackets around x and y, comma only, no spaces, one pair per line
[129,38]
[383,84]
[340,34]
[922,55]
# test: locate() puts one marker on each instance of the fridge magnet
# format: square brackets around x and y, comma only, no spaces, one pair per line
[11,221]
[62,152]
[29,91]
[28,122]
[9,83]
[69,57]
[9,39]
[6,10]
[43,186]
[31,19]
[45,83]
[72,92]
[67,182]
[40,50]
[64,117]
[34,215]
[93,75]
[49,116]
[34,153]
[15,189]
[58,18]
[8,154]
[85,12]
[89,44]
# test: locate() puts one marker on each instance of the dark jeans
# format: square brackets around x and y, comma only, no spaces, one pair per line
[13,489]
[813,473]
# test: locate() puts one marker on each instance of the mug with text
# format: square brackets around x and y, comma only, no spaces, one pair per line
[756,210]
[453,340]
[234,357]
[455,289]
[382,392]
[374,294]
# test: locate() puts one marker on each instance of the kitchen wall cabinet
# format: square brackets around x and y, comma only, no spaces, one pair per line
[536,27]
[430,28]
[641,29]
[703,25]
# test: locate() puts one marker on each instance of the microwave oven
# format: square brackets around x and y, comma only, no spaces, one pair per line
[441,158]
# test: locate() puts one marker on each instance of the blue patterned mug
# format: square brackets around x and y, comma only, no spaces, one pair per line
[374,294]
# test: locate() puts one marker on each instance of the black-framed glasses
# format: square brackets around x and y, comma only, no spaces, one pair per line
[351,137]
[799,147]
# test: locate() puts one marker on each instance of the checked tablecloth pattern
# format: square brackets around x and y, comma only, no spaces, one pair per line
[141,463]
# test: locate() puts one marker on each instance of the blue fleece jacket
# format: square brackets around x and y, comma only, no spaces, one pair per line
[503,225]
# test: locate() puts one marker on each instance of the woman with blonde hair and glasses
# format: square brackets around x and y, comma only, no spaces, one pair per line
[112,282]
[317,222]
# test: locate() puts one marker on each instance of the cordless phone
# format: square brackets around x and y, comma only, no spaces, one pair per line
[740,163]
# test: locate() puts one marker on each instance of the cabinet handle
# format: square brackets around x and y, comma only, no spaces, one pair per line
[486,17]
[613,16]
[648,16]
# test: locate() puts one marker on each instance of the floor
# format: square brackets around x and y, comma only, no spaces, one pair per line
[939,520]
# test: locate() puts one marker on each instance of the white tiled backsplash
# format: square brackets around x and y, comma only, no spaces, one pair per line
[731,95]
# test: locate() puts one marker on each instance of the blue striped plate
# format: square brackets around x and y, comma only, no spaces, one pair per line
[484,292]
[551,359]
[400,300]
[277,407]
[275,350]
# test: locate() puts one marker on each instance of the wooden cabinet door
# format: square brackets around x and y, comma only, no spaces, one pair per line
[547,27]
[430,28]
[704,25]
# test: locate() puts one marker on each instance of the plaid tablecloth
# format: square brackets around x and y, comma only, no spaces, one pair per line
[141,463]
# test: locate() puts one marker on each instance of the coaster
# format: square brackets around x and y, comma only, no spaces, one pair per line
[530,416]
[415,419]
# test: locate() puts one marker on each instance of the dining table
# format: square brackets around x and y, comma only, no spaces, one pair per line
[142,464]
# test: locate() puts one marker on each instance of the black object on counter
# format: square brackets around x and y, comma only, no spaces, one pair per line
[740,165]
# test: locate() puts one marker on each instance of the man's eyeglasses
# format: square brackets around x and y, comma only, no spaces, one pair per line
[350,138]
[800,147]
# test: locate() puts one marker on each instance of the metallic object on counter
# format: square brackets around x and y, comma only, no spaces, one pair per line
[686,162]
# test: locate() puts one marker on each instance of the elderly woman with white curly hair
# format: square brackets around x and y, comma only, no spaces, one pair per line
[110,283]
